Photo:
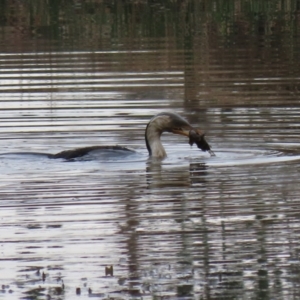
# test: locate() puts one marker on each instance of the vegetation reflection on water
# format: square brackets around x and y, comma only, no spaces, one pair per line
[83,73]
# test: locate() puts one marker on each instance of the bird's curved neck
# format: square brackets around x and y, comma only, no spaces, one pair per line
[153,142]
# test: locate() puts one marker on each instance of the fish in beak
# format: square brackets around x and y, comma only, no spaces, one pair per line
[196,136]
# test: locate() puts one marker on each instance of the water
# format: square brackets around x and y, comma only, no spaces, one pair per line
[191,226]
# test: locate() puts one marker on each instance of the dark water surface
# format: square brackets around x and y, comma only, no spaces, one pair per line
[189,227]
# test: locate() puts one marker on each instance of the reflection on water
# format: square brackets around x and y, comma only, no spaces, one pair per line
[192,226]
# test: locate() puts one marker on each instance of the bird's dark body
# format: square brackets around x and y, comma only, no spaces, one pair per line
[79,152]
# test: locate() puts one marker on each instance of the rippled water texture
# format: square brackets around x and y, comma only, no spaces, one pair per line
[192,226]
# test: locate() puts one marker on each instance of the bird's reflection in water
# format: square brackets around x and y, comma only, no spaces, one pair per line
[198,173]
[159,175]
[163,176]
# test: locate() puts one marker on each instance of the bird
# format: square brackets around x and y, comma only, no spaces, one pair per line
[158,124]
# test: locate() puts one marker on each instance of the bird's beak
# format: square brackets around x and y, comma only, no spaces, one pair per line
[182,131]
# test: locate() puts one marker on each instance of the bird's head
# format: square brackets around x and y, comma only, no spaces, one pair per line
[171,122]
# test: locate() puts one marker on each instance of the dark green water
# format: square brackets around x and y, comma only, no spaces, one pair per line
[83,73]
